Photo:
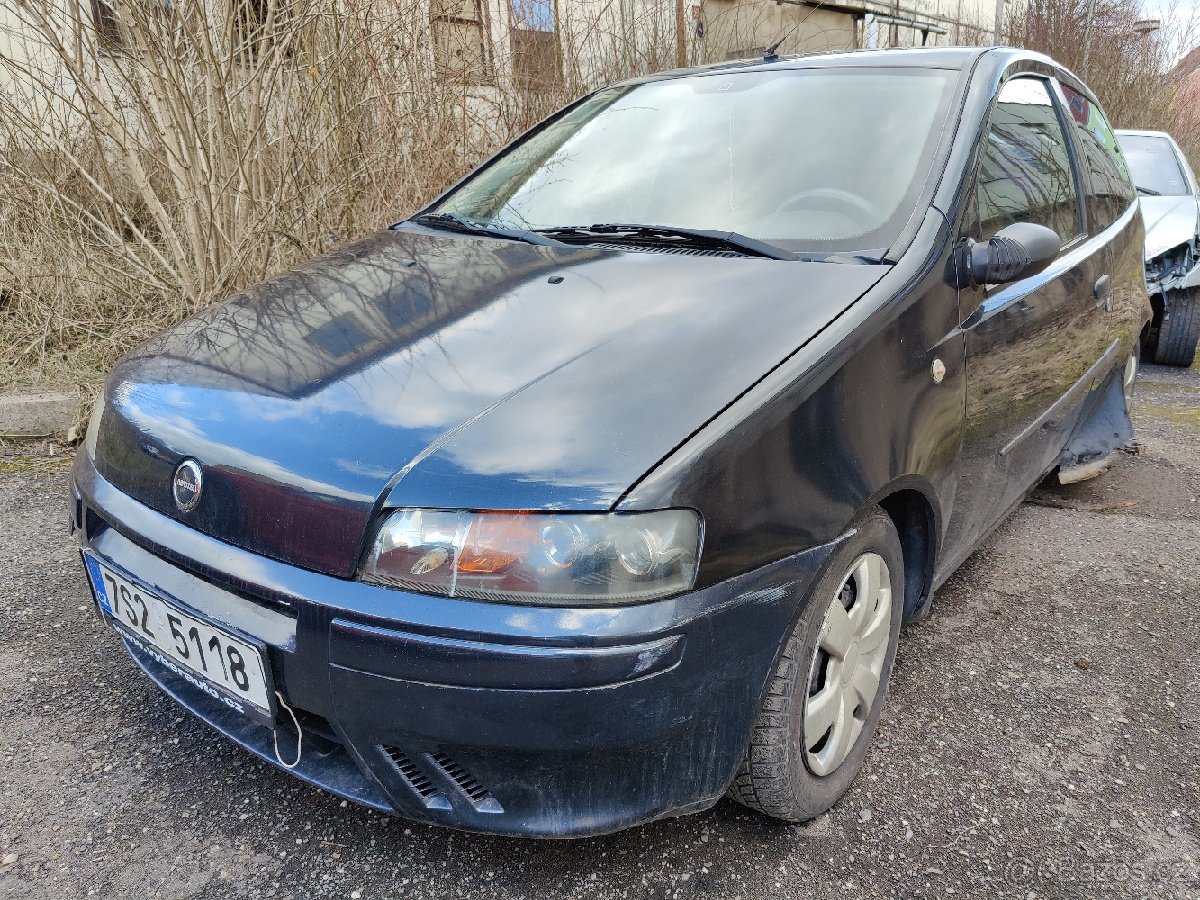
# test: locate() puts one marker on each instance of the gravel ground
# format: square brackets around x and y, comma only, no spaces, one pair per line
[1040,739]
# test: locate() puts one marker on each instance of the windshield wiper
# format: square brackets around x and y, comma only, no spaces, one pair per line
[729,240]
[451,222]
[1150,191]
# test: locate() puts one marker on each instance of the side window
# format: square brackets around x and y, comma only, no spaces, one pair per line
[1111,188]
[1025,166]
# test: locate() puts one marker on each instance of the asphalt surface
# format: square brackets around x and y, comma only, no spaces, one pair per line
[1040,739]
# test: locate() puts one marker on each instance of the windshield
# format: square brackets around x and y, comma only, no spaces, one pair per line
[805,159]
[1154,165]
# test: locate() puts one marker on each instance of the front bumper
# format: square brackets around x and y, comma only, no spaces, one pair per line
[1162,277]
[520,720]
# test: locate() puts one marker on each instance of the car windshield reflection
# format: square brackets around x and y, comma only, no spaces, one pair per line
[816,160]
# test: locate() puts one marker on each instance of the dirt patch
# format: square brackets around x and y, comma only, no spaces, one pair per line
[1142,486]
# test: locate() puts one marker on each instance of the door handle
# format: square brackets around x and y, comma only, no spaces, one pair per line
[1102,291]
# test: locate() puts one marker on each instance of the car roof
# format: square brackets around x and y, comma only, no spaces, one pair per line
[918,57]
[1141,132]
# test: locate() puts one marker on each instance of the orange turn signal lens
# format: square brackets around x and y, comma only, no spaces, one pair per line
[493,543]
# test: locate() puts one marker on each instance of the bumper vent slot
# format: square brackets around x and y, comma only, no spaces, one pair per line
[417,780]
[481,798]
[423,780]
[92,522]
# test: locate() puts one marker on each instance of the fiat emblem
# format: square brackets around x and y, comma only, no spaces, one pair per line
[187,485]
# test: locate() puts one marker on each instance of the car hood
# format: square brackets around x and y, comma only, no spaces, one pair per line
[1170,221]
[440,370]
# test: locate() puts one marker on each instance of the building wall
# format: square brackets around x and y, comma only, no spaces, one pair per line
[514,44]
[23,50]
[740,28]
[14,41]
[967,22]
[728,29]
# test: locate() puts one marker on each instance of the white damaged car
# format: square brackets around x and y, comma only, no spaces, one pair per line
[1171,211]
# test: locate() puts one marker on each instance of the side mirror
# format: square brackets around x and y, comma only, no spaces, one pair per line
[1018,251]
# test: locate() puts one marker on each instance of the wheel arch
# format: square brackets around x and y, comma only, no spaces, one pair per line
[908,503]
[1156,307]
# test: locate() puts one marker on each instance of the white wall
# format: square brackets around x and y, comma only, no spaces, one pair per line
[745,27]
[23,49]
[967,22]
[601,38]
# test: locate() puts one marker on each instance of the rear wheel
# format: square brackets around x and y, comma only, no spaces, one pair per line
[824,699]
[1179,331]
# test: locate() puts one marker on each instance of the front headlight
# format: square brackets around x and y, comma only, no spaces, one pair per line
[558,559]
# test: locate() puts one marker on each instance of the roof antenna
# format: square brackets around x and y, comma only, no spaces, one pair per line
[771,53]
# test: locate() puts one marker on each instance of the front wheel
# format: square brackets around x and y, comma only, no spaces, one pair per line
[824,699]
[1179,331]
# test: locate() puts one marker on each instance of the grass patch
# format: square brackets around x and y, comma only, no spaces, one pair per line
[24,464]
[1163,387]
[1188,418]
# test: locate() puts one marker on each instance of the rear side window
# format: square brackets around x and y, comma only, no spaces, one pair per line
[1025,168]
[1110,189]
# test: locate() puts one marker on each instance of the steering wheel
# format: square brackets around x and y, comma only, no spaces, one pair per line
[855,208]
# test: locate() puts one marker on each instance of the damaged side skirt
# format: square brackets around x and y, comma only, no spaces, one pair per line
[1104,427]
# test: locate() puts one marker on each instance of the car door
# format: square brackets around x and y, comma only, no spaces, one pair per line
[1028,342]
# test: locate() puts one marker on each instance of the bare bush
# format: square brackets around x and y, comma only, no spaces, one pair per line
[186,154]
[155,157]
[1129,62]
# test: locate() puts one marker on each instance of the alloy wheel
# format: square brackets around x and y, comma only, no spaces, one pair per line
[843,682]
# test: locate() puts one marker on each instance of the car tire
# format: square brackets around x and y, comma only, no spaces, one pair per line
[1179,331]
[781,775]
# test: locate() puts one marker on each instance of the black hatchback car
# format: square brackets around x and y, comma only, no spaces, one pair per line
[601,488]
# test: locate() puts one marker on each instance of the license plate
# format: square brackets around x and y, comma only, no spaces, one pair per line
[225,666]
